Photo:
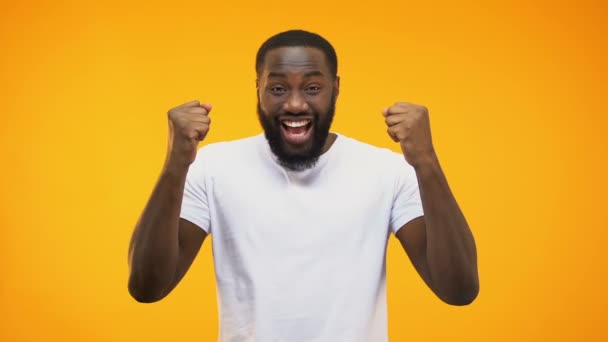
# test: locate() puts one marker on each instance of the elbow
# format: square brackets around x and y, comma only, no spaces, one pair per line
[459,289]
[143,297]
[462,294]
[463,298]
[144,291]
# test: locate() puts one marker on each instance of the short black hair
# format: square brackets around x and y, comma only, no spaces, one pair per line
[298,38]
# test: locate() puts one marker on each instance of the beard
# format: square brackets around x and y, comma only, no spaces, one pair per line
[308,156]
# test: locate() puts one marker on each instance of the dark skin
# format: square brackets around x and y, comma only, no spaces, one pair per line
[163,245]
[297,80]
[440,244]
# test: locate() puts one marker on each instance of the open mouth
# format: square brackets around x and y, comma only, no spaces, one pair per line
[296,131]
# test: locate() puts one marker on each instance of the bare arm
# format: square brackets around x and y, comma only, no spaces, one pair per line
[440,244]
[163,246]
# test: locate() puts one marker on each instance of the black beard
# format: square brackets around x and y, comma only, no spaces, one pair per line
[305,159]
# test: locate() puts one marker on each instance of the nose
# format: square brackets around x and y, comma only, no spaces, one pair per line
[295,103]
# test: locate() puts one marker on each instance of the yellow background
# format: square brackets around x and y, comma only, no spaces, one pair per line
[516,92]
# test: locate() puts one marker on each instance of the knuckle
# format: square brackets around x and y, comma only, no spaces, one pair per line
[197,110]
[191,110]
[421,111]
[392,132]
[175,114]
[202,127]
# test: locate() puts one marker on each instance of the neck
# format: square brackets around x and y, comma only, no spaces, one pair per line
[331,138]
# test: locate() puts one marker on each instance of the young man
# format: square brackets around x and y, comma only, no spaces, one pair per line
[300,217]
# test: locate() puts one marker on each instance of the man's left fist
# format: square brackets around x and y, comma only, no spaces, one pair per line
[408,124]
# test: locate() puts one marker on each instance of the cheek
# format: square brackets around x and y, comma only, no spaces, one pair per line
[328,98]
[320,105]
[270,104]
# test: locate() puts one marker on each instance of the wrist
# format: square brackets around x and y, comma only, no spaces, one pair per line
[426,162]
[175,168]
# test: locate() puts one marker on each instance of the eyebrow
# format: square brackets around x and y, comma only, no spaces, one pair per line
[283,75]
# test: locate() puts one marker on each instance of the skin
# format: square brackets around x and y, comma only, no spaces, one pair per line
[163,245]
[440,244]
[297,80]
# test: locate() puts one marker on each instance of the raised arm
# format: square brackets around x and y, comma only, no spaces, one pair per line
[439,244]
[163,246]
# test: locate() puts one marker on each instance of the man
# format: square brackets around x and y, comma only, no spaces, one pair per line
[300,217]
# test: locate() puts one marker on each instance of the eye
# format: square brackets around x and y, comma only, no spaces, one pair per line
[313,90]
[277,90]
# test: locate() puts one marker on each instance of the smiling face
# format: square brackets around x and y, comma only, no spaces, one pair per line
[296,101]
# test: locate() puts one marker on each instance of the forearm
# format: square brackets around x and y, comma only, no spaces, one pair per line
[451,252]
[154,247]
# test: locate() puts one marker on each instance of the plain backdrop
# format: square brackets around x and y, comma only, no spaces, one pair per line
[516,93]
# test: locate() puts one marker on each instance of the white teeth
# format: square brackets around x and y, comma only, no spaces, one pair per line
[296,123]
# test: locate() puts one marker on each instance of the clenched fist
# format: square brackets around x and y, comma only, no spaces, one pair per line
[188,125]
[408,124]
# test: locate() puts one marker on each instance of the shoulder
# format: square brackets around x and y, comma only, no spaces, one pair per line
[366,158]
[234,149]
[235,146]
[227,154]
[365,152]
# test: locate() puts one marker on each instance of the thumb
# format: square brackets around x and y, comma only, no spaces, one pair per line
[207,106]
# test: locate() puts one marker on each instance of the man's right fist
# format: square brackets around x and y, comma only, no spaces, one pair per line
[188,125]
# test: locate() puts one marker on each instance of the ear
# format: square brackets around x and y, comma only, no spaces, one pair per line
[337,86]
[257,83]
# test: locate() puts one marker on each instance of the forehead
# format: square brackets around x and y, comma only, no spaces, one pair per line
[295,59]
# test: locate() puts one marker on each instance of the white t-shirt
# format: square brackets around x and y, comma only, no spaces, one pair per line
[300,256]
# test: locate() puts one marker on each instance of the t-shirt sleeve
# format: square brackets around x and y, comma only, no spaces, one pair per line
[407,204]
[195,206]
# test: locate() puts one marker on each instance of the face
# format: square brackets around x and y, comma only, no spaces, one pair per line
[296,101]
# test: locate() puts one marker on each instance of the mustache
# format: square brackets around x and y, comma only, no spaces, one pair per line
[297,116]
[292,159]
